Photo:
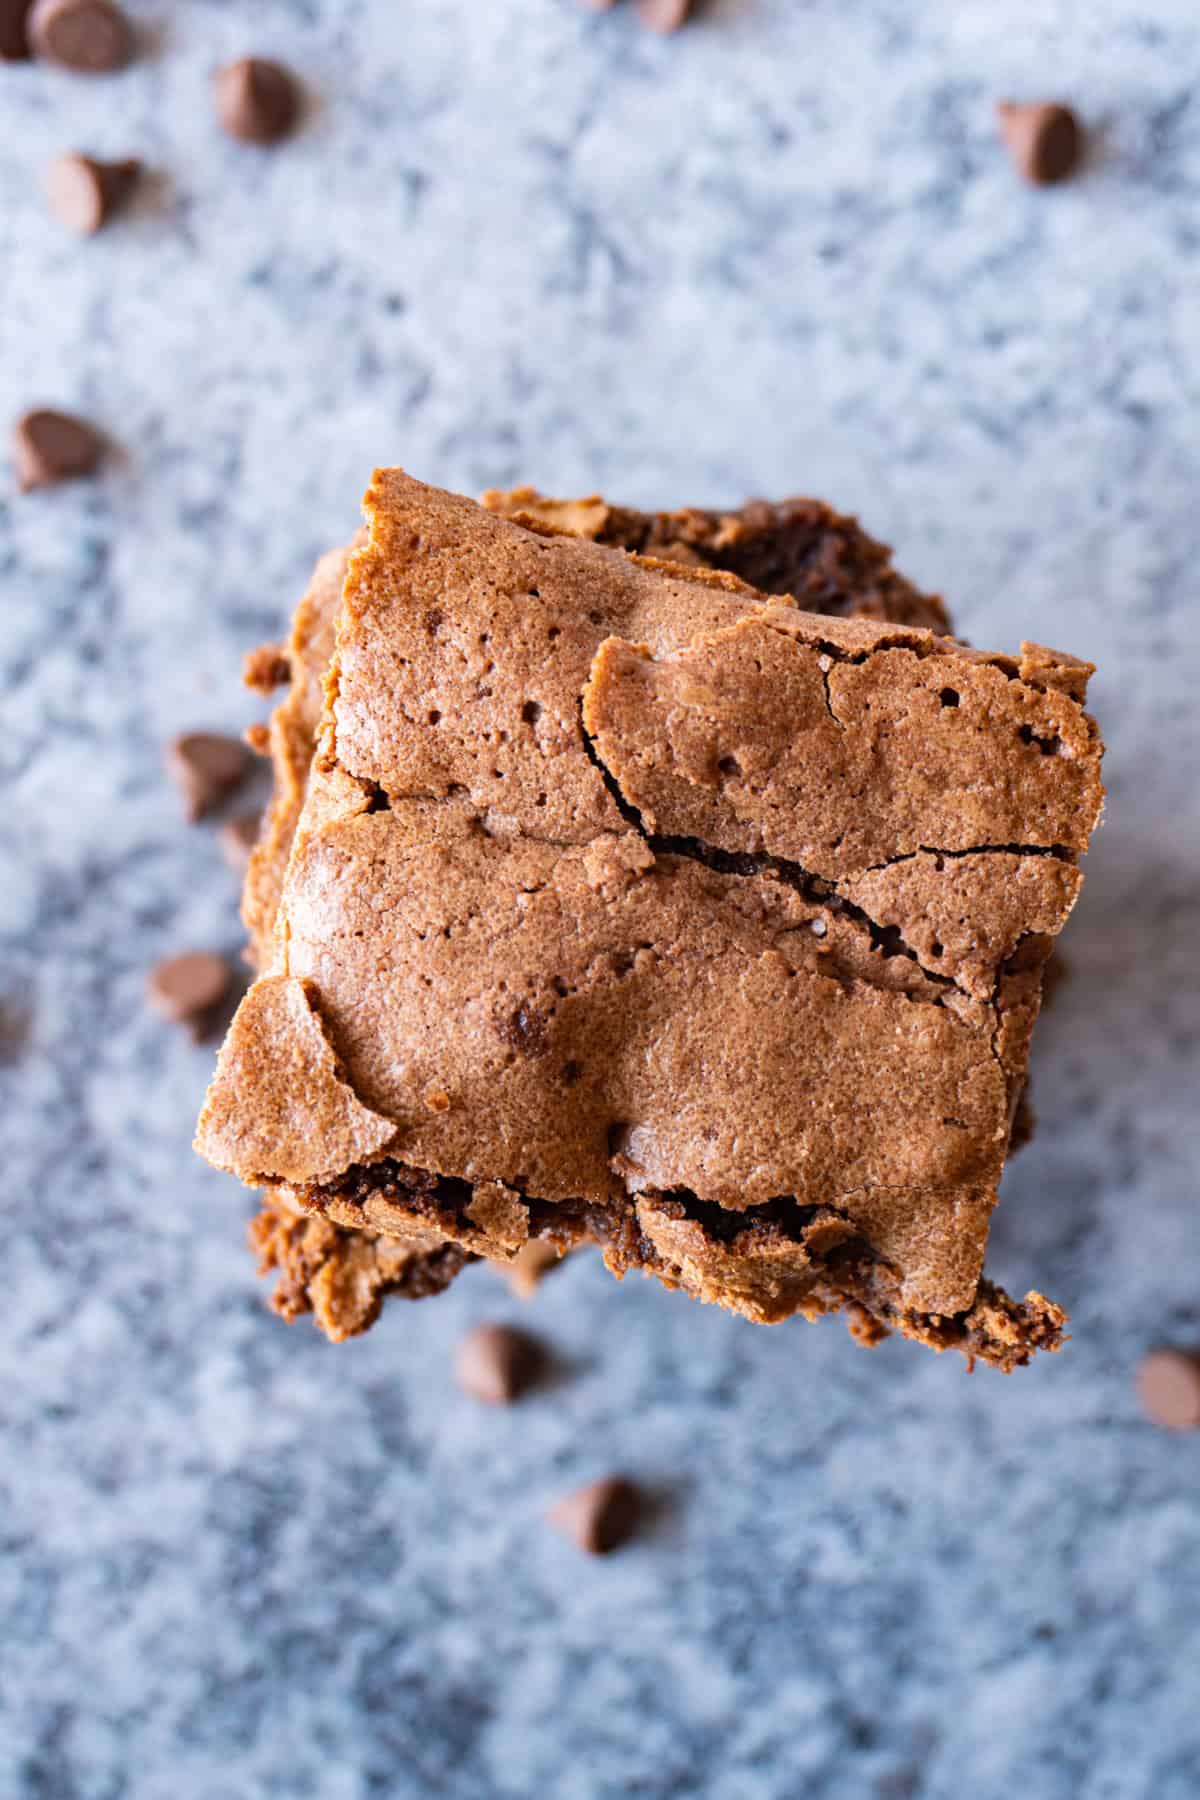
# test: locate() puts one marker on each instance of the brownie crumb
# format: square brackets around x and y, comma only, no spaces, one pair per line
[343,1277]
[600,1516]
[266,668]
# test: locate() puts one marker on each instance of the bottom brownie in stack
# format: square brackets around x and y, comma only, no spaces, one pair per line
[782,886]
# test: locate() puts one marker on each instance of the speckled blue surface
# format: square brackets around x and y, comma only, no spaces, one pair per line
[518,241]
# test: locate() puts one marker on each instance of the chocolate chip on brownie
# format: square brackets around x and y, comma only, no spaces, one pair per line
[258,101]
[497,1363]
[1044,139]
[600,1516]
[49,447]
[1168,1385]
[85,193]
[91,37]
[189,989]
[14,39]
[208,768]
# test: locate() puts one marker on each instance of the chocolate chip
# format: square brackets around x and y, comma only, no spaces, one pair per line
[497,1363]
[188,989]
[533,1260]
[1045,139]
[257,101]
[208,768]
[238,838]
[85,194]
[49,447]
[1168,1386]
[14,40]
[90,36]
[664,15]
[599,1516]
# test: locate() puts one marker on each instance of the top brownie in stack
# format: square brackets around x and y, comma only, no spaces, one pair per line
[629,904]
[797,546]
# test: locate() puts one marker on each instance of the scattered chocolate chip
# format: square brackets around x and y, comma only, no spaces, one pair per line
[208,768]
[49,447]
[257,100]
[664,15]
[238,838]
[188,989]
[497,1363]
[91,37]
[1168,1386]
[599,1516]
[16,1027]
[524,1273]
[85,194]
[14,40]
[1044,139]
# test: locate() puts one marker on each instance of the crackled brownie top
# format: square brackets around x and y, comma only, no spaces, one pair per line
[798,547]
[626,887]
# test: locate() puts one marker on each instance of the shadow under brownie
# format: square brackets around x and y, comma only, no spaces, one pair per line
[629,904]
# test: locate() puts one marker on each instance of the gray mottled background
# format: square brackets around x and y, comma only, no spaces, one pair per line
[519,241]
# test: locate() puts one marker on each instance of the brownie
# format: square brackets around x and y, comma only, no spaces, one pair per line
[629,904]
[795,545]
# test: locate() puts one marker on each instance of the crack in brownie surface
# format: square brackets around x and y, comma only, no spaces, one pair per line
[730,1001]
[796,547]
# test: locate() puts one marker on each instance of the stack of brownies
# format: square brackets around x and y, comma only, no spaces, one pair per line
[673,883]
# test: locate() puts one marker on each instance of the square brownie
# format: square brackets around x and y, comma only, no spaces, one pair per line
[798,546]
[630,904]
